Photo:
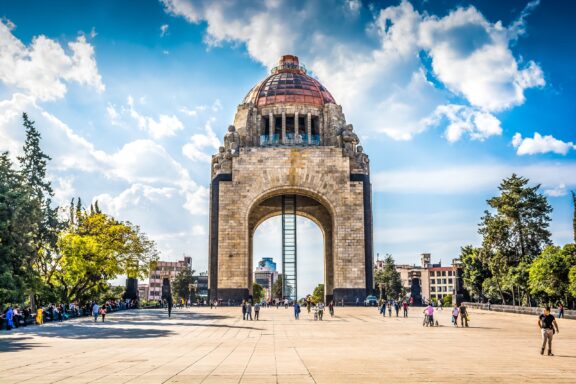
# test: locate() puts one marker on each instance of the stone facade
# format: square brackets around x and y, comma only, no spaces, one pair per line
[302,148]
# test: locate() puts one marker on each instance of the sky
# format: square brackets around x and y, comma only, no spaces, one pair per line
[133,97]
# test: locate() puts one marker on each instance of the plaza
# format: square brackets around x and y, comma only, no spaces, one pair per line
[203,345]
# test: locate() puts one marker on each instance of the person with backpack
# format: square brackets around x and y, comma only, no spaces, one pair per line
[547,323]
[296,310]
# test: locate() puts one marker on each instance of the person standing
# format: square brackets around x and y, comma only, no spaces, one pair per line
[560,310]
[405,308]
[357,301]
[390,309]
[383,308]
[296,310]
[103,312]
[455,313]
[396,307]
[95,311]
[463,316]
[547,323]
[9,315]
[331,308]
[321,307]
[39,316]
[256,311]
[248,310]
[243,309]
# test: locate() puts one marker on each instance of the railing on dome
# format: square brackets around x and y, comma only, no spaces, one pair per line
[289,66]
[267,140]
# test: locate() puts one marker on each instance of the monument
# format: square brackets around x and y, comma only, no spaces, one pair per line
[290,152]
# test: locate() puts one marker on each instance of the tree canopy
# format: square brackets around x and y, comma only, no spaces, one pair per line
[388,280]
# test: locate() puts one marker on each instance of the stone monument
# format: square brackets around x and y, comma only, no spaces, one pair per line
[290,143]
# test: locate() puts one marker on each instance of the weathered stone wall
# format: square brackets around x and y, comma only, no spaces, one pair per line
[322,173]
[568,314]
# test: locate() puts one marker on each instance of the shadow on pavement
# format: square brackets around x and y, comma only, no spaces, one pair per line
[16,344]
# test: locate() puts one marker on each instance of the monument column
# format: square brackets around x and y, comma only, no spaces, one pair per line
[309,127]
[296,126]
[258,130]
[271,127]
[283,127]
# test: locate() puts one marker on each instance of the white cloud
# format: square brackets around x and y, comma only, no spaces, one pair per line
[557,191]
[194,149]
[164,30]
[383,81]
[479,125]
[165,126]
[540,144]
[41,69]
[465,179]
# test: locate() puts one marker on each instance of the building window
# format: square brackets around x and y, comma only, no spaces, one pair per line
[432,281]
[432,289]
[443,273]
[449,273]
[443,281]
[449,281]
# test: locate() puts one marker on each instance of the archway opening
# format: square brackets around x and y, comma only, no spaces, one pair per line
[267,256]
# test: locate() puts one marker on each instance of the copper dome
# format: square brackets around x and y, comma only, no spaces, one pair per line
[289,83]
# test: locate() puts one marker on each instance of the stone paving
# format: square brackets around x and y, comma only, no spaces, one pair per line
[201,345]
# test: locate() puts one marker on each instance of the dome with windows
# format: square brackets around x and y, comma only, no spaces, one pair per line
[289,83]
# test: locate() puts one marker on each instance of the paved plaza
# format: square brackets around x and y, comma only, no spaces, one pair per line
[201,345]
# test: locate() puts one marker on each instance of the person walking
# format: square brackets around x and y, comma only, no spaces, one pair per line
[455,312]
[383,308]
[560,310]
[40,316]
[405,308]
[547,323]
[103,312]
[296,310]
[396,307]
[256,311]
[95,311]
[331,308]
[248,310]
[390,309]
[463,316]
[243,309]
[9,317]
[321,307]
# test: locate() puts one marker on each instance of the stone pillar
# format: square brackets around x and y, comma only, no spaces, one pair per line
[256,140]
[309,127]
[271,128]
[283,127]
[296,124]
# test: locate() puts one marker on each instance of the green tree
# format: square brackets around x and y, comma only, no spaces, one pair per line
[474,271]
[388,279]
[182,284]
[550,273]
[514,232]
[318,294]
[95,249]
[277,287]
[33,167]
[447,300]
[258,293]
[19,218]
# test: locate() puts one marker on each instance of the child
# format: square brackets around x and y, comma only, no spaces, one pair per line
[103,312]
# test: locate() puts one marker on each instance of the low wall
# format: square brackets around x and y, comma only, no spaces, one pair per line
[521,310]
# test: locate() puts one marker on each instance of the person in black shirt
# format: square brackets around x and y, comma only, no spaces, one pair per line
[547,323]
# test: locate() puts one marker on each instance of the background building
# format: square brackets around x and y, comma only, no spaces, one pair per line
[202,285]
[143,291]
[164,269]
[427,281]
[266,275]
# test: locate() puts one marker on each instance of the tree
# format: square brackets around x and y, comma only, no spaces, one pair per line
[181,286]
[258,293]
[388,279]
[515,232]
[474,271]
[33,167]
[277,287]
[93,250]
[19,217]
[550,273]
[318,294]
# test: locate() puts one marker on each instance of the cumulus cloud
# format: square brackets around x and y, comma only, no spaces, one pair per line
[557,191]
[194,149]
[540,144]
[164,126]
[163,30]
[42,69]
[459,65]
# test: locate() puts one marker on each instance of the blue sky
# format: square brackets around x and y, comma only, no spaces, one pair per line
[449,97]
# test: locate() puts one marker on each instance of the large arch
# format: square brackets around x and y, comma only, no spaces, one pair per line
[270,204]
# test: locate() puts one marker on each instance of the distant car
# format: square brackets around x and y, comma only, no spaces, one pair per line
[371,301]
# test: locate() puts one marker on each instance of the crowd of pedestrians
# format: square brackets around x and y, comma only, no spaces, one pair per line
[15,316]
